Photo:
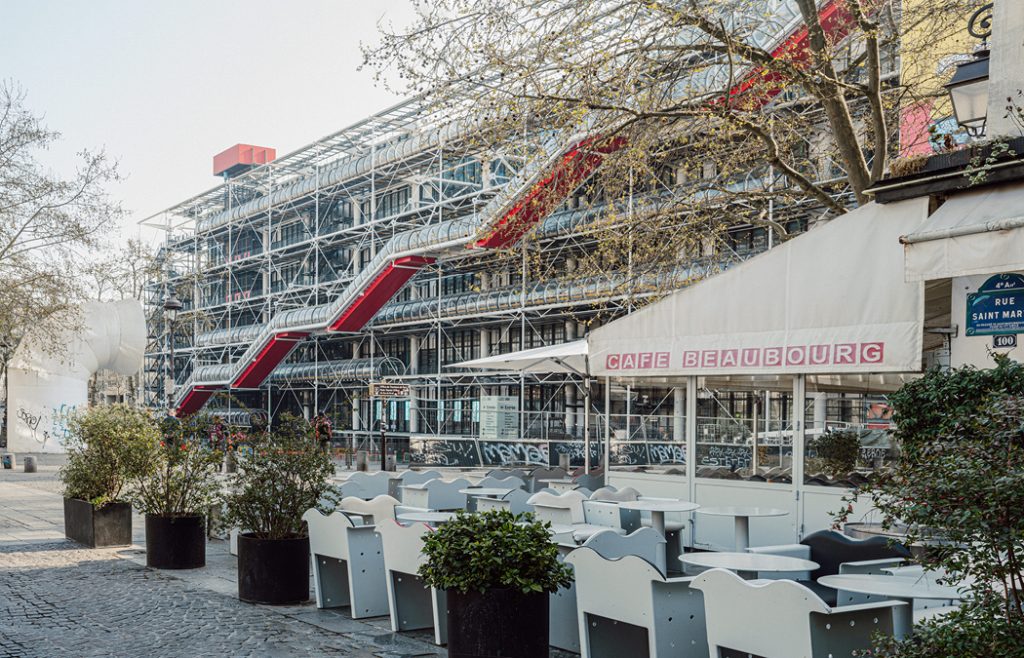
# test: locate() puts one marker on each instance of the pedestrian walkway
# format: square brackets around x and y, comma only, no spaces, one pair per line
[60,599]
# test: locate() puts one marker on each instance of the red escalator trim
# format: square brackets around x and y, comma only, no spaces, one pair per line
[194,400]
[574,167]
[836,21]
[579,162]
[379,292]
[273,353]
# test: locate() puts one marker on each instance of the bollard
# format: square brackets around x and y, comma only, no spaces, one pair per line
[9,460]
[30,464]
[392,464]
[563,461]
[362,458]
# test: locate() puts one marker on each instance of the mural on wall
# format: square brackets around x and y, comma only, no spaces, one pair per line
[44,390]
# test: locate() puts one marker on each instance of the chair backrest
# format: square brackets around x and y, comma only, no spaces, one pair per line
[830,549]
[599,513]
[643,543]
[509,482]
[611,494]
[409,477]
[544,473]
[618,588]
[517,501]
[403,545]
[769,619]
[352,490]
[327,533]
[558,508]
[380,508]
[373,484]
[444,494]
[502,473]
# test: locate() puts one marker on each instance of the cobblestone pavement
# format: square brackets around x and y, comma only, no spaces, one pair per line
[60,599]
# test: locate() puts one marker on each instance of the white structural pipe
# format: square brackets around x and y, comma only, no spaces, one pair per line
[45,386]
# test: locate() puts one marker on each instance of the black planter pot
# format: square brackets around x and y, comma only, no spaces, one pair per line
[175,542]
[274,571]
[500,623]
[110,525]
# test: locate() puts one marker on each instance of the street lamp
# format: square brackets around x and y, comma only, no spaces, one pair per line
[968,88]
[171,307]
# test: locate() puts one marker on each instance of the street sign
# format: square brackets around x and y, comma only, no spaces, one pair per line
[1005,341]
[388,390]
[997,307]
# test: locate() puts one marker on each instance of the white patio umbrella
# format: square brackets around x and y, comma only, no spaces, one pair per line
[571,357]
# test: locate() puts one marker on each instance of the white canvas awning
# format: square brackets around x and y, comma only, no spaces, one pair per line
[832,301]
[568,357]
[979,232]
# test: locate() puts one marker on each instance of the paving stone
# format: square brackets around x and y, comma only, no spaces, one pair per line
[59,599]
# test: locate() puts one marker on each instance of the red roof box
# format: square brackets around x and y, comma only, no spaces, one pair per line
[241,157]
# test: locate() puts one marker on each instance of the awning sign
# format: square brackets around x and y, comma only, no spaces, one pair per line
[997,307]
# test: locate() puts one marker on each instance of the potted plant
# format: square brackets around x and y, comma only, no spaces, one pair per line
[177,491]
[498,569]
[107,448]
[281,474]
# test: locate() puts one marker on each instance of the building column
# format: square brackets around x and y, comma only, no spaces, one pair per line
[679,414]
[485,342]
[820,410]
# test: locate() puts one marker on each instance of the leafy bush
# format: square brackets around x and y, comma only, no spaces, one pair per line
[493,550]
[281,474]
[181,477]
[959,481]
[976,628]
[108,447]
[838,451]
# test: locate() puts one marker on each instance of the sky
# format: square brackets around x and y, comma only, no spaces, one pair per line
[164,85]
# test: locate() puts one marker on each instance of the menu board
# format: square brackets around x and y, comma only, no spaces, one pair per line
[499,417]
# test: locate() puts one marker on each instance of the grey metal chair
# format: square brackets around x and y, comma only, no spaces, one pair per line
[348,564]
[565,632]
[627,607]
[784,619]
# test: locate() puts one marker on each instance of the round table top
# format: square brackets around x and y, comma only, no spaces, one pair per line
[496,492]
[748,562]
[426,517]
[659,505]
[901,587]
[742,511]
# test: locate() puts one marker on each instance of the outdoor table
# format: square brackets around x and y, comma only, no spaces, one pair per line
[432,518]
[657,508]
[741,516]
[898,588]
[748,563]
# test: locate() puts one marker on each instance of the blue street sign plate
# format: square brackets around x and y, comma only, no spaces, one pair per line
[997,307]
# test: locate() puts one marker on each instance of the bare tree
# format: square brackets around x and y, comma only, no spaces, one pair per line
[707,113]
[47,225]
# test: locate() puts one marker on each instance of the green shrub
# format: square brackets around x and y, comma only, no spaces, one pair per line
[108,447]
[281,473]
[959,479]
[838,451]
[182,467]
[493,550]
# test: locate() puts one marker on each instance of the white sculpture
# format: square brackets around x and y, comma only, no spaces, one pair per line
[45,387]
